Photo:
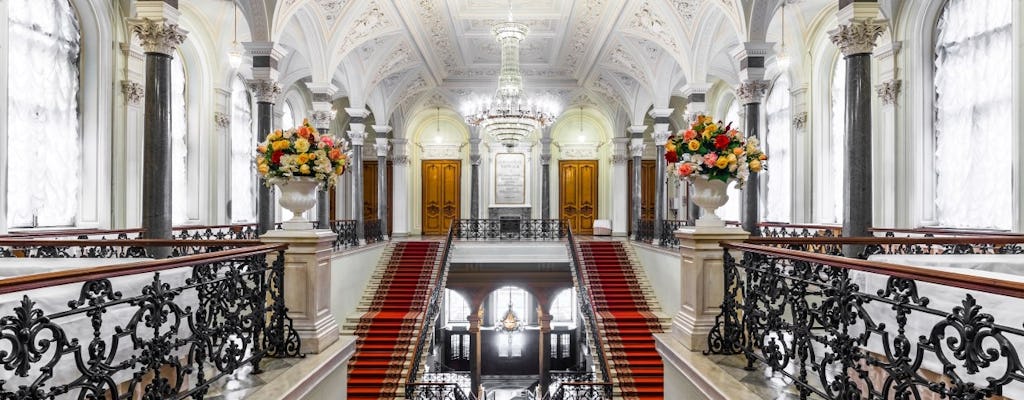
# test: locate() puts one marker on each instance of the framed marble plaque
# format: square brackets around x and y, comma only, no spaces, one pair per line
[509,178]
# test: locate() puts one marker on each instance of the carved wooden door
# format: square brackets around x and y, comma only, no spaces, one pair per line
[441,194]
[647,173]
[370,191]
[578,194]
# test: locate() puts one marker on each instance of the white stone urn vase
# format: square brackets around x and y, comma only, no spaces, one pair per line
[710,195]
[298,195]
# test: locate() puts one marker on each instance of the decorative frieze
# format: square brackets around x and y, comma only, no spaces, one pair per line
[751,92]
[577,151]
[889,91]
[222,120]
[157,36]
[441,151]
[265,91]
[134,92]
[858,37]
[800,120]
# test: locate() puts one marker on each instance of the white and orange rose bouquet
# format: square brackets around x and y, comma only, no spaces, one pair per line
[302,152]
[714,152]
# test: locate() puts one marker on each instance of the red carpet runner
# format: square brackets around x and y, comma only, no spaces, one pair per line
[386,339]
[625,318]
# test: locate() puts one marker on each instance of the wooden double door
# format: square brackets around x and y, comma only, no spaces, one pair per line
[441,195]
[577,194]
[370,192]
[647,176]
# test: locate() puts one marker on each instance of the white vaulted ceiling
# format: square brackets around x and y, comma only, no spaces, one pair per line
[622,56]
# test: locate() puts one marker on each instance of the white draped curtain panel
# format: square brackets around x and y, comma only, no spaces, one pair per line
[778,178]
[973,106]
[243,147]
[287,117]
[179,141]
[837,143]
[43,131]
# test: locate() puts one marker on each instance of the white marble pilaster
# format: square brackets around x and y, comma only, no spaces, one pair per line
[400,161]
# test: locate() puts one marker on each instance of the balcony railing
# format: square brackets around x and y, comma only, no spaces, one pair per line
[845,328]
[603,379]
[159,329]
[511,229]
[373,230]
[644,231]
[416,387]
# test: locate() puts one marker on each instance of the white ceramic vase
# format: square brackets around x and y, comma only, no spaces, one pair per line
[298,195]
[710,195]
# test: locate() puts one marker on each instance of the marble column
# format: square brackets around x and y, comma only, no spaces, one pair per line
[400,163]
[160,36]
[696,104]
[357,135]
[266,90]
[750,94]
[474,354]
[636,150]
[620,177]
[545,174]
[660,136]
[544,337]
[856,40]
[474,172]
[382,147]
[321,120]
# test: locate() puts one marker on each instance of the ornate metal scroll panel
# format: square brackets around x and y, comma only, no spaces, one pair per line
[178,332]
[668,233]
[511,229]
[820,326]
[645,231]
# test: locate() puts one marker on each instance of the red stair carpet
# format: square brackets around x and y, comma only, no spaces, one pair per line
[386,339]
[625,317]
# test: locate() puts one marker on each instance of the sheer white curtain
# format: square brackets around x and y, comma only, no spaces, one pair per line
[243,146]
[837,145]
[179,141]
[778,181]
[731,210]
[43,131]
[563,309]
[973,106]
[458,308]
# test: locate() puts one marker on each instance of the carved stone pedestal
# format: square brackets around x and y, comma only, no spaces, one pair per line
[307,279]
[702,286]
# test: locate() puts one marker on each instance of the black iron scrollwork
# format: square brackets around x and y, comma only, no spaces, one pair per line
[511,229]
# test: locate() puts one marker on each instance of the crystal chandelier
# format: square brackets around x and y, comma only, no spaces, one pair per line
[509,116]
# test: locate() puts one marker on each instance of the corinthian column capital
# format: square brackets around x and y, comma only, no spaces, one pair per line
[158,36]
[265,91]
[858,37]
[751,92]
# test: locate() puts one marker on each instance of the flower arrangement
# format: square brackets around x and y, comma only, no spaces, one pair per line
[715,152]
[302,152]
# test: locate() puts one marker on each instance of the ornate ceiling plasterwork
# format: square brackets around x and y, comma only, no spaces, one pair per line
[399,58]
[370,23]
[583,32]
[647,22]
[621,59]
[438,33]
[332,8]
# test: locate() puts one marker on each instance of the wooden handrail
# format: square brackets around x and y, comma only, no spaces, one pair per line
[946,278]
[890,240]
[78,275]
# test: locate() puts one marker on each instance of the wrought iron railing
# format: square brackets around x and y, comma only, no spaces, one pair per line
[373,229]
[843,328]
[583,391]
[787,230]
[901,245]
[156,329]
[668,233]
[589,324]
[644,231]
[117,248]
[415,388]
[510,229]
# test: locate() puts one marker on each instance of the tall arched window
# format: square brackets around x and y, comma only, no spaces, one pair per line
[179,141]
[288,117]
[778,183]
[563,309]
[973,105]
[243,146]
[458,309]
[837,144]
[43,128]
[731,210]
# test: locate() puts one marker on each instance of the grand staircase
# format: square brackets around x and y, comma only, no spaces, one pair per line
[393,308]
[627,317]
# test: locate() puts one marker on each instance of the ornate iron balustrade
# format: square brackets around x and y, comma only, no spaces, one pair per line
[415,387]
[905,245]
[783,230]
[668,233]
[434,391]
[345,234]
[187,322]
[373,230]
[218,232]
[940,232]
[511,229]
[843,328]
[582,391]
[120,248]
[589,325]
[645,231]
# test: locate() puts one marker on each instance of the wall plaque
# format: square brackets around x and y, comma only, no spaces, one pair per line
[509,178]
